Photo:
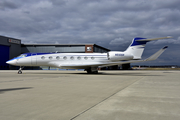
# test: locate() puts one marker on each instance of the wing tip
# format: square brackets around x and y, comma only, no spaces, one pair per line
[165,47]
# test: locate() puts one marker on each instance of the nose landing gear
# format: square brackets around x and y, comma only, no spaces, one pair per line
[20,70]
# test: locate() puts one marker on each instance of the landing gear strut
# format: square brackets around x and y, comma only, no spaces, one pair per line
[20,70]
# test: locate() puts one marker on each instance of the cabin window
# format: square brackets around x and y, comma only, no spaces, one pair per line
[50,57]
[57,57]
[64,57]
[79,58]
[72,58]
[92,58]
[42,57]
[85,58]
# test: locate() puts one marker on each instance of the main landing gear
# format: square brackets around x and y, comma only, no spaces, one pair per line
[20,70]
[92,71]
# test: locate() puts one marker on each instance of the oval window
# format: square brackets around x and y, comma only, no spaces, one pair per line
[92,58]
[42,57]
[72,58]
[78,58]
[64,57]
[50,57]
[85,58]
[57,57]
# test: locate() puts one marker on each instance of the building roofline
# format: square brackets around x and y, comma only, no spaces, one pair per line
[63,45]
[10,37]
[53,44]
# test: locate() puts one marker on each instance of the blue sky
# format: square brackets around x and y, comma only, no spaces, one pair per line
[109,23]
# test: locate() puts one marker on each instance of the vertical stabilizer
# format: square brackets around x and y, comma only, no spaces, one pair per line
[136,48]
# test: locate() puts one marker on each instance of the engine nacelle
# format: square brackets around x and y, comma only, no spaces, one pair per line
[116,56]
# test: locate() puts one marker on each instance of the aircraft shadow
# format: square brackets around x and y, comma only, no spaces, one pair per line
[13,89]
[118,74]
[100,73]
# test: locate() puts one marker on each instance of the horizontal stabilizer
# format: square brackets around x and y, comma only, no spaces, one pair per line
[154,38]
[157,54]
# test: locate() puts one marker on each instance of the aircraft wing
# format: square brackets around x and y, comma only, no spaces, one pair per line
[107,63]
[157,54]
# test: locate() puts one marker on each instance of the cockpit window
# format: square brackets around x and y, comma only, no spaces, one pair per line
[22,55]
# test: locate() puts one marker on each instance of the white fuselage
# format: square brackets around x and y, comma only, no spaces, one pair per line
[69,60]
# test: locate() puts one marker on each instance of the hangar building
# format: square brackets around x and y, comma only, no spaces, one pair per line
[12,47]
[9,48]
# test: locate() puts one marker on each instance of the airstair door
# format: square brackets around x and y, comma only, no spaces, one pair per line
[33,59]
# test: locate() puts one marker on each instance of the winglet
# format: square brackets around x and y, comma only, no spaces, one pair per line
[157,54]
[165,47]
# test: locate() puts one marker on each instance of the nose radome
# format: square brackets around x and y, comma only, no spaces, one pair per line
[11,62]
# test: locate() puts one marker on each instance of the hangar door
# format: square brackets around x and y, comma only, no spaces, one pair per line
[4,56]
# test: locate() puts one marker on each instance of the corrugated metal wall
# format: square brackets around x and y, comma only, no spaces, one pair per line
[99,50]
[73,49]
[47,49]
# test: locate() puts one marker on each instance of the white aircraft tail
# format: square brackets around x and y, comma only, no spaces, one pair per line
[137,46]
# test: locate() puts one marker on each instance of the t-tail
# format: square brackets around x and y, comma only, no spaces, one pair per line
[137,46]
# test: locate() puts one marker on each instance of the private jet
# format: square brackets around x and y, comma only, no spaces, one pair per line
[90,62]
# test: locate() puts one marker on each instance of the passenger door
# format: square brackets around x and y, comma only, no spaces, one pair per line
[33,59]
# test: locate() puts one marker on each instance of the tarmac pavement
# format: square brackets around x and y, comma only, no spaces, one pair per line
[75,95]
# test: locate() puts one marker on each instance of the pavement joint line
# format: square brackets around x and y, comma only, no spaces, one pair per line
[106,98]
[11,81]
[17,80]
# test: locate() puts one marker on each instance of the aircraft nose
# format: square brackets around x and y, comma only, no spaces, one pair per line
[11,62]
